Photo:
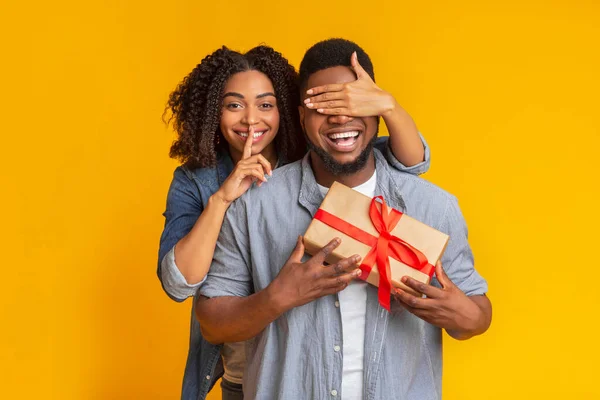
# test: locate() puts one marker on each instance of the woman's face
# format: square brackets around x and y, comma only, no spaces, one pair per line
[249,101]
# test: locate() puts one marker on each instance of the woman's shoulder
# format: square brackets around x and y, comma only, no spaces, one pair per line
[211,176]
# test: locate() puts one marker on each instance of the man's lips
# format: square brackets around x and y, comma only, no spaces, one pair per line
[343,140]
[343,135]
[347,128]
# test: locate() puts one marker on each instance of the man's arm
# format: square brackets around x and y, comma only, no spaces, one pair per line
[235,319]
[481,321]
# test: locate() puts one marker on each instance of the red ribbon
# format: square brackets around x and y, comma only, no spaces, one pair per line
[384,220]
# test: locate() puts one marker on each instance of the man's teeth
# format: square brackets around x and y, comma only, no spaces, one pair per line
[343,135]
[256,134]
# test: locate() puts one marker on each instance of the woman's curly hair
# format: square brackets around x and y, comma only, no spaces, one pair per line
[195,105]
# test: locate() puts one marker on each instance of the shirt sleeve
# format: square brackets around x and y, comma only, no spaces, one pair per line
[383,144]
[230,273]
[458,260]
[184,206]
[172,278]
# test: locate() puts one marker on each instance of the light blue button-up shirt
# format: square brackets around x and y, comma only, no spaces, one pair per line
[188,196]
[294,357]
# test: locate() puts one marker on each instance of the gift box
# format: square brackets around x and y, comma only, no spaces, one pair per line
[390,243]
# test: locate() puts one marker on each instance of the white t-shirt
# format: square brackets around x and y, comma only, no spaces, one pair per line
[353,308]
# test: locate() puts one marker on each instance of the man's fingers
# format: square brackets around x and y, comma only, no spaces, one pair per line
[441,275]
[409,299]
[334,87]
[248,145]
[418,312]
[348,264]
[322,254]
[341,281]
[298,251]
[420,287]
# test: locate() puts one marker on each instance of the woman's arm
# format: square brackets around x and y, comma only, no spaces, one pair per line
[194,252]
[404,141]
[183,271]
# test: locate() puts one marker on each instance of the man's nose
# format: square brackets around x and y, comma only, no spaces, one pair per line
[339,119]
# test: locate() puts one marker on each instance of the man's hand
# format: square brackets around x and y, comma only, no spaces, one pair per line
[235,319]
[299,283]
[447,308]
[360,98]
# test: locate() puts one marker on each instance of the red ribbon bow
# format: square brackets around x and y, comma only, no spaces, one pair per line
[384,220]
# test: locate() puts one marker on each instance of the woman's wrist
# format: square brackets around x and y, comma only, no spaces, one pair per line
[219,200]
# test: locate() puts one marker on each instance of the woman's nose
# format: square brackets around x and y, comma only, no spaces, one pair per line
[250,117]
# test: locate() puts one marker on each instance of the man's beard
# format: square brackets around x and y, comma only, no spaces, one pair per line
[339,169]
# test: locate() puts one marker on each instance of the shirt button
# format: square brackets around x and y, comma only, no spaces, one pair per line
[337,304]
[208,377]
[336,348]
[334,392]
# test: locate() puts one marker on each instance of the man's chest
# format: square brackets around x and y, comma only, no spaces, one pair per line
[273,236]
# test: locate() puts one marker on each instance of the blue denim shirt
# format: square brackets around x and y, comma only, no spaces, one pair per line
[188,195]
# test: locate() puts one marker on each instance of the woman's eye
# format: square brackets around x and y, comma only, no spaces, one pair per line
[266,106]
[233,106]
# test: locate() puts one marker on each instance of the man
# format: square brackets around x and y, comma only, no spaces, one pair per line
[318,332]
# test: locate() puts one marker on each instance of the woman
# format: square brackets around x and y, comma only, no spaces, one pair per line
[236,116]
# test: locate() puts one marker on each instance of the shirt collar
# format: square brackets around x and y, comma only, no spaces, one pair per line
[311,198]
[224,166]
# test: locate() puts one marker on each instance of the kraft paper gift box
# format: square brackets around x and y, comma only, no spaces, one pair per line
[344,209]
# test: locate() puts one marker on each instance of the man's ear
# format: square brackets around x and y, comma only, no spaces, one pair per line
[301,112]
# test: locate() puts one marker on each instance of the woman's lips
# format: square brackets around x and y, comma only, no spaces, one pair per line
[258,135]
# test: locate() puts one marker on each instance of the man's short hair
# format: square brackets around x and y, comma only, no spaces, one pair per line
[332,53]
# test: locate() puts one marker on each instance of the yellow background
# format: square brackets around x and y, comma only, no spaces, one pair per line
[506,93]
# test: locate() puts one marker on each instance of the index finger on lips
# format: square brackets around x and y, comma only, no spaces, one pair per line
[248,145]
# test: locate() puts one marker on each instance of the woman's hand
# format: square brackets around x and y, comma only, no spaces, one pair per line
[359,98]
[248,170]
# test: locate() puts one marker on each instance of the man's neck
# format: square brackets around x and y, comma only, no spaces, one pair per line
[326,178]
